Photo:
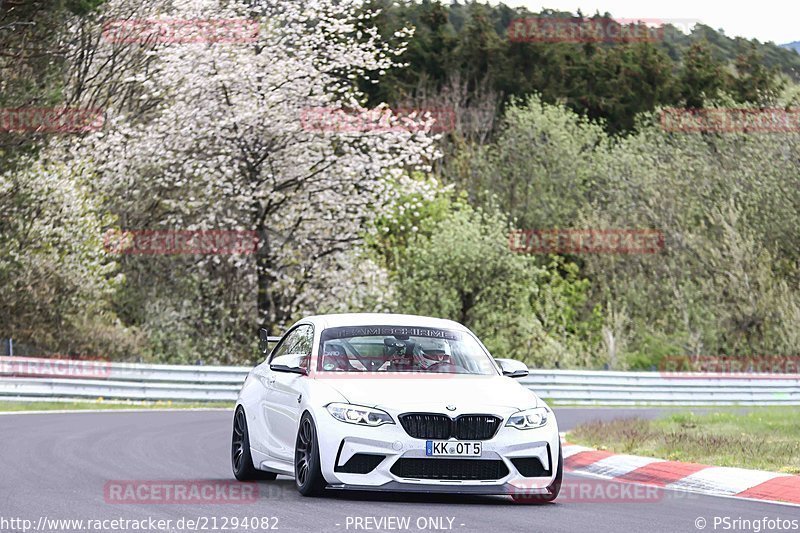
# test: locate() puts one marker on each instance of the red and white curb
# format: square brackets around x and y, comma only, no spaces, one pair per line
[689,477]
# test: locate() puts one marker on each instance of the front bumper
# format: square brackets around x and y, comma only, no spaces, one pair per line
[486,490]
[340,441]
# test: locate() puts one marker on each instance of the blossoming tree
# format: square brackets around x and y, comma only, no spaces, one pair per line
[221,141]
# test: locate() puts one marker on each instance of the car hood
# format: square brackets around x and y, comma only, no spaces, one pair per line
[411,393]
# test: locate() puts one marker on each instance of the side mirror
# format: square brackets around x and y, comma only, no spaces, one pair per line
[292,363]
[264,340]
[289,369]
[513,368]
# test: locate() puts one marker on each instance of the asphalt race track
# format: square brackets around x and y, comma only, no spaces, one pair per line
[58,466]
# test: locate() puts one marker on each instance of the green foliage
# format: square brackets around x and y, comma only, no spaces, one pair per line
[611,82]
[56,280]
[755,82]
[652,351]
[703,76]
[565,311]
[727,204]
[414,213]
[463,270]
[727,281]
[539,167]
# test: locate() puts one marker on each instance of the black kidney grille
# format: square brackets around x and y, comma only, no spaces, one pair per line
[476,427]
[427,426]
[436,426]
[450,469]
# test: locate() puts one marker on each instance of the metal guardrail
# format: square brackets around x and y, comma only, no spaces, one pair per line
[30,378]
[656,388]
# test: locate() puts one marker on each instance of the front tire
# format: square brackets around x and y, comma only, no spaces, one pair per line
[307,472]
[241,459]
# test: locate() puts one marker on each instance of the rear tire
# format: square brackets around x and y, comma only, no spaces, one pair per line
[307,472]
[552,489]
[241,459]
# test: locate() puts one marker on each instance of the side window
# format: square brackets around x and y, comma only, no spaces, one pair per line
[298,342]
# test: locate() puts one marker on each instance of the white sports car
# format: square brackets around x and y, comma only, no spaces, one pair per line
[394,403]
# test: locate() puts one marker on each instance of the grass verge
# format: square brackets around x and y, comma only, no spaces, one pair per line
[764,438]
[12,406]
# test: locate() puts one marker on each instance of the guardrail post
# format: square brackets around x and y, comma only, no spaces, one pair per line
[10,347]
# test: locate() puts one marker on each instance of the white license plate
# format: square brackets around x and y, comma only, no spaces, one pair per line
[448,448]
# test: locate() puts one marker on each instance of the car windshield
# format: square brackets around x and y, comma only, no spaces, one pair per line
[385,349]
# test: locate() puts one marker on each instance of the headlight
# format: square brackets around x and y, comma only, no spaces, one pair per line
[529,419]
[356,414]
